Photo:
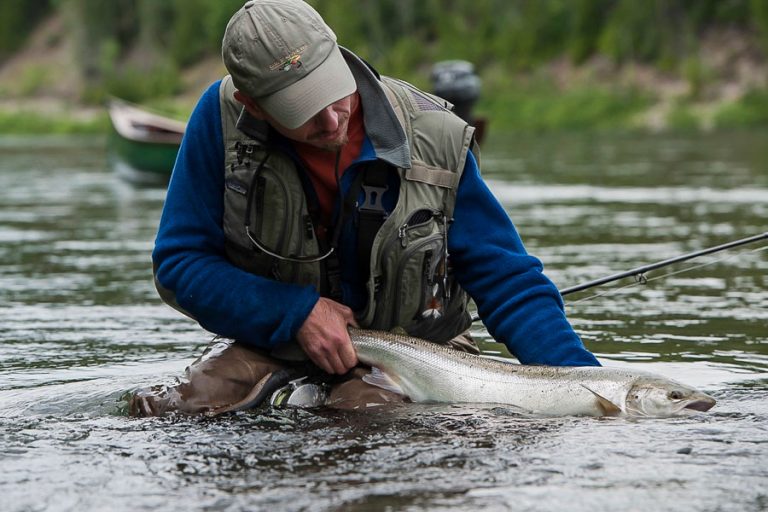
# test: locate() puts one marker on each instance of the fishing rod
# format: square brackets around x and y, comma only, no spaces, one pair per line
[640,271]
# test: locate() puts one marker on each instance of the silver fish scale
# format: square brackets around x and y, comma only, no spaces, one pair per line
[426,371]
[457,362]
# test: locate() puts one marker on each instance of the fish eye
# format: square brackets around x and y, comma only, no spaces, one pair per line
[675,395]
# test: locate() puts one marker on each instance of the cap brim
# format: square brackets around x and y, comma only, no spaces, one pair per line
[296,104]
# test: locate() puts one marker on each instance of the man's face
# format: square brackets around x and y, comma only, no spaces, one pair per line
[325,130]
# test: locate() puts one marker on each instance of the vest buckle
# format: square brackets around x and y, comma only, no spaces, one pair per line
[373,200]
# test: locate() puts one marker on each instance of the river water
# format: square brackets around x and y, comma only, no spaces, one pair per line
[80,325]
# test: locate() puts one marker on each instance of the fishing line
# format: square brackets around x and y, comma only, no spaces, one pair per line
[639,273]
[642,279]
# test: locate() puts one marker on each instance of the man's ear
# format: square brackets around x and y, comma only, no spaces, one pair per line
[250,105]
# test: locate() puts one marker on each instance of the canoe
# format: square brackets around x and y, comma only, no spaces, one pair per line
[143,145]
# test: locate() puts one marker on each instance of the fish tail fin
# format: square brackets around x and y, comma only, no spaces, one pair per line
[380,379]
[607,407]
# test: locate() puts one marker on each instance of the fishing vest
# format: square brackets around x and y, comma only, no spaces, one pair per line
[409,284]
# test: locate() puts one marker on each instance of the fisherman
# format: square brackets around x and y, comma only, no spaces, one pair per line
[311,194]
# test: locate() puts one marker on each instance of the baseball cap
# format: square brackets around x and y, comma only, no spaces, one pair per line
[283,55]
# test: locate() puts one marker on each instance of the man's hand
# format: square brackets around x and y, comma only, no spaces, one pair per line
[325,339]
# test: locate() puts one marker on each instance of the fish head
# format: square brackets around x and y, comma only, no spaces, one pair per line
[651,396]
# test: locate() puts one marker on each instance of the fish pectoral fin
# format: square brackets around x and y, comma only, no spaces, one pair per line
[607,407]
[380,379]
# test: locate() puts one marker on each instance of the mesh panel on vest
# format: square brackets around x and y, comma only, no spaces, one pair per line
[420,217]
[423,103]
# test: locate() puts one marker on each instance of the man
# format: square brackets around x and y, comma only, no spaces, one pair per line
[311,194]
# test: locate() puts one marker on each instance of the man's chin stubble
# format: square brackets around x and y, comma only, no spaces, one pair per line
[335,145]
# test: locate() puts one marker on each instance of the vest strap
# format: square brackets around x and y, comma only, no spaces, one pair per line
[371,213]
[432,176]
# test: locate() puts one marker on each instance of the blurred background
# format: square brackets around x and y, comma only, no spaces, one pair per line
[544,64]
[619,133]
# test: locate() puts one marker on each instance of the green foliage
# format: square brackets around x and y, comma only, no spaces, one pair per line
[197,27]
[537,105]
[137,86]
[522,33]
[103,31]
[166,36]
[682,119]
[541,33]
[23,123]
[633,32]
[759,18]
[33,80]
[187,45]
[137,48]
[750,111]
[154,29]
[587,18]
[17,18]
[400,35]
[696,75]
[215,21]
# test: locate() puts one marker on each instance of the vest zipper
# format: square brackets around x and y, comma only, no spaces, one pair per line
[405,228]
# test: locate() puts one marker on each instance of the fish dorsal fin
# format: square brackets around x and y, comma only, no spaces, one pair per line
[380,379]
[607,407]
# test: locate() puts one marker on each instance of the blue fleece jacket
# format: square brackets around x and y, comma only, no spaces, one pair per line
[519,305]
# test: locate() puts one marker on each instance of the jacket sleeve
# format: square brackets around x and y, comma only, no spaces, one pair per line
[192,272]
[519,305]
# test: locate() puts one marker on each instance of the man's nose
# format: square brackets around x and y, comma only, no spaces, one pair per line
[327,119]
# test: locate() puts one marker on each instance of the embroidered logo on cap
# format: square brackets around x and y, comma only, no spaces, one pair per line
[293,61]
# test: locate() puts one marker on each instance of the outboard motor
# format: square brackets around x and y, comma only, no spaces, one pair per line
[456,81]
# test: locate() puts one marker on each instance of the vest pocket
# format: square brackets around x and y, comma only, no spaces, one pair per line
[266,214]
[415,290]
[416,267]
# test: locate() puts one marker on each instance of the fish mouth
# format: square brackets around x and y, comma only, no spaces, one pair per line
[702,404]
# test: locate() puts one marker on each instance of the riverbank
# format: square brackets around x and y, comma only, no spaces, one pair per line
[724,86]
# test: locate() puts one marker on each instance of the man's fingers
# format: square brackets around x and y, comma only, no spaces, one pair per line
[324,365]
[338,366]
[325,338]
[342,359]
[346,352]
[348,357]
[323,359]
[336,358]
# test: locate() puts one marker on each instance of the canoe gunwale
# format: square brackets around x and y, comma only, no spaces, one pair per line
[138,125]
